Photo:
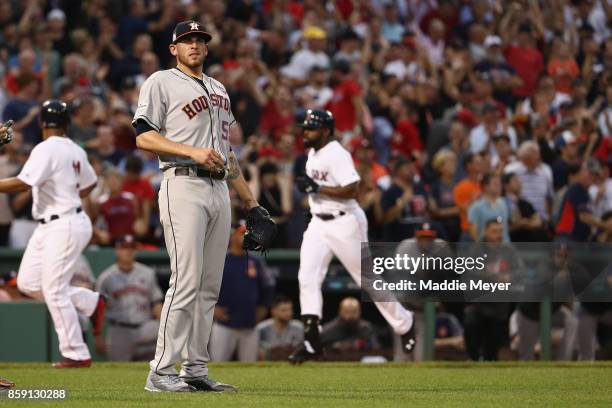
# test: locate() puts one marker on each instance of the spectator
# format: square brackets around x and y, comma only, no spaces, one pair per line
[406,139]
[536,178]
[562,67]
[118,210]
[468,190]
[605,116]
[24,109]
[404,203]
[82,128]
[366,164]
[458,144]
[348,333]
[133,306]
[600,193]
[505,153]
[313,55]
[346,104]
[392,29]
[576,219]
[104,143]
[441,199]
[280,334]
[141,189]
[503,76]
[149,63]
[568,145]
[521,52]
[489,206]
[525,223]
[317,93]
[243,302]
[481,136]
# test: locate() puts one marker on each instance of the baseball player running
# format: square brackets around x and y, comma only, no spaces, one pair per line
[59,174]
[338,227]
[184,117]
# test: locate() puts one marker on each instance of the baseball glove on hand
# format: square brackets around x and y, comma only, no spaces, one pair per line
[306,185]
[7,136]
[261,230]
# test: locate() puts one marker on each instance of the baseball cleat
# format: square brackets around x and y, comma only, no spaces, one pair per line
[409,340]
[69,363]
[97,318]
[166,383]
[301,355]
[209,385]
[4,383]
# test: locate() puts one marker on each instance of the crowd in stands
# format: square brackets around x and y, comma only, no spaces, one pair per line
[457,112]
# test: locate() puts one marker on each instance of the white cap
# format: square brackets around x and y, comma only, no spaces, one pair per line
[492,40]
[56,14]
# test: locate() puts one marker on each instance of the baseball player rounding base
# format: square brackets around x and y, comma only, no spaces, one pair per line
[338,227]
[59,174]
[184,116]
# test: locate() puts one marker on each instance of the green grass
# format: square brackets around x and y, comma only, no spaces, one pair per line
[336,384]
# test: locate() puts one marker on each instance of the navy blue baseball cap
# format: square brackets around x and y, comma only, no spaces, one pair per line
[191,27]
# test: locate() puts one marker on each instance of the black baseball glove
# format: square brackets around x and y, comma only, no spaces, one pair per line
[6,137]
[306,185]
[261,230]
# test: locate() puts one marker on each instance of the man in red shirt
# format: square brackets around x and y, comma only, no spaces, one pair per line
[347,103]
[118,210]
[526,60]
[141,189]
[406,139]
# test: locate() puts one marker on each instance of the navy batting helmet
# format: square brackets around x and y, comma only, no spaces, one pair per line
[54,114]
[318,119]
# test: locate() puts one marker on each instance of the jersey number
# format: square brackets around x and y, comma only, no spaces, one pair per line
[224,130]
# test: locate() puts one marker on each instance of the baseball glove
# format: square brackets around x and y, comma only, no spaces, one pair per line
[7,136]
[261,230]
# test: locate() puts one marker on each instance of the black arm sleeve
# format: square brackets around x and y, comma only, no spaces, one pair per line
[142,126]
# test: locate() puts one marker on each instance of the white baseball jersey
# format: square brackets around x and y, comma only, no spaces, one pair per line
[186,111]
[131,294]
[331,166]
[57,170]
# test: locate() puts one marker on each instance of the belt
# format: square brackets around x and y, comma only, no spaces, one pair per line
[329,217]
[55,216]
[198,172]
[122,324]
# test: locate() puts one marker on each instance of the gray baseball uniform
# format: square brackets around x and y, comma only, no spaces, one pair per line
[131,330]
[194,212]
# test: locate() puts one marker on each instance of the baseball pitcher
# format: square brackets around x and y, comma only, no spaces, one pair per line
[184,116]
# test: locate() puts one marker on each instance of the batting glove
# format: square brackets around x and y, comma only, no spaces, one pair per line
[307,185]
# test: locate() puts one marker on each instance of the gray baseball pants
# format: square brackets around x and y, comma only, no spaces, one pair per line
[195,215]
[128,344]
[225,341]
[529,334]
[587,331]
